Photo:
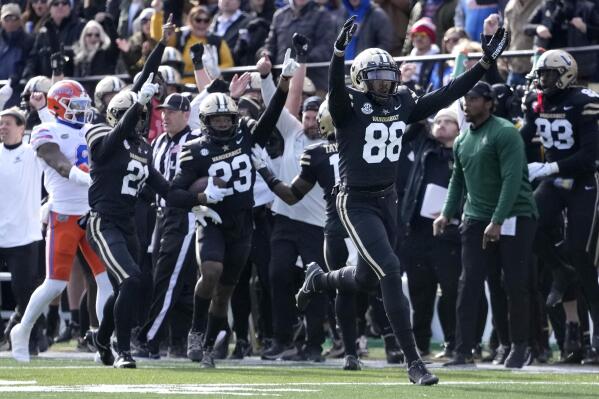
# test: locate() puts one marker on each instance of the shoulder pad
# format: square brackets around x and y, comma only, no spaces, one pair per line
[96,132]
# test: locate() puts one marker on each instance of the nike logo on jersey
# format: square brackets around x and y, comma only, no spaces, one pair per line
[398,107]
[589,188]
[239,141]
[568,107]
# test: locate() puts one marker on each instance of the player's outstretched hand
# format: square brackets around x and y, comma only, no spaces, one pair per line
[290,66]
[202,212]
[210,60]
[346,34]
[494,47]
[301,46]
[147,91]
[197,51]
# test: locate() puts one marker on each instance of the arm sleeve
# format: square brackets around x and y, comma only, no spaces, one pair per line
[455,191]
[287,124]
[158,183]
[339,102]
[583,160]
[510,151]
[267,122]
[194,115]
[430,103]
[102,141]
[151,65]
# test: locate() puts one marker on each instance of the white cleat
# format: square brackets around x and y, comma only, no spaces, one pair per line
[19,339]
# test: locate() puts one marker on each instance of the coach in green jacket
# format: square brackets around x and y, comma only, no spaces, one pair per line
[499,221]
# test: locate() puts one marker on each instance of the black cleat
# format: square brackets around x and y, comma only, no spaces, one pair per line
[194,346]
[351,363]
[307,291]
[144,351]
[207,359]
[502,353]
[460,360]
[518,357]
[392,350]
[572,339]
[591,356]
[106,356]
[278,350]
[241,350]
[124,361]
[419,375]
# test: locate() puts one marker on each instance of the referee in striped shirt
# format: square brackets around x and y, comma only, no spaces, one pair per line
[174,235]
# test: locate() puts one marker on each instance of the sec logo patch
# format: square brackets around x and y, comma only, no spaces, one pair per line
[367,109]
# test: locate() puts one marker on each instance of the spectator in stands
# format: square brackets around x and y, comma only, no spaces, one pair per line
[196,31]
[375,29]
[558,24]
[444,71]
[311,20]
[423,36]
[470,15]
[35,15]
[15,44]
[136,49]
[399,12]
[95,53]
[62,28]
[250,40]
[228,21]
[516,15]
[441,12]
[262,9]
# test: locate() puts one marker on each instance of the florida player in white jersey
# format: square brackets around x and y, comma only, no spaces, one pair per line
[61,144]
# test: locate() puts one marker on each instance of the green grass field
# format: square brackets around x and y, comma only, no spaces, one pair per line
[63,378]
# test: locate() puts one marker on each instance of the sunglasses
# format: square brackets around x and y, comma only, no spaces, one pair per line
[39,1]
[202,20]
[419,34]
[452,40]
[60,3]
[11,18]
[92,35]
[145,20]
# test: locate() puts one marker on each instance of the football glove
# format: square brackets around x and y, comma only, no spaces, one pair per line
[147,91]
[289,65]
[537,170]
[345,36]
[202,212]
[494,47]
[213,193]
[197,51]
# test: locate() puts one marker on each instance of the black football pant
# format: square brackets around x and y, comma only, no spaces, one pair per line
[22,263]
[290,239]
[370,219]
[175,267]
[115,240]
[145,219]
[429,262]
[580,204]
[513,255]
[241,301]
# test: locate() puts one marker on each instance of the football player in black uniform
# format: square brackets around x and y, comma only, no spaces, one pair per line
[224,151]
[370,118]
[564,117]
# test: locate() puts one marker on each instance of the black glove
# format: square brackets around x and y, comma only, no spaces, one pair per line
[346,34]
[301,46]
[218,86]
[493,48]
[197,50]
[57,61]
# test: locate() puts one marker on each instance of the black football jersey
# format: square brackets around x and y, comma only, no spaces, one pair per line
[230,161]
[370,141]
[320,164]
[567,128]
[117,180]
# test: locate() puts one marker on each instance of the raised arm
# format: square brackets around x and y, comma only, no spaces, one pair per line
[268,120]
[153,61]
[339,102]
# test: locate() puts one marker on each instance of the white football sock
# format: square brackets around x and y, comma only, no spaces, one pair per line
[41,297]
[104,291]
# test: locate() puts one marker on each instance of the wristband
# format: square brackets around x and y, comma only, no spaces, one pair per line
[80,177]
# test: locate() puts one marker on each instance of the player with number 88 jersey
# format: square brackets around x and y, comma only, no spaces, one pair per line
[370,118]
